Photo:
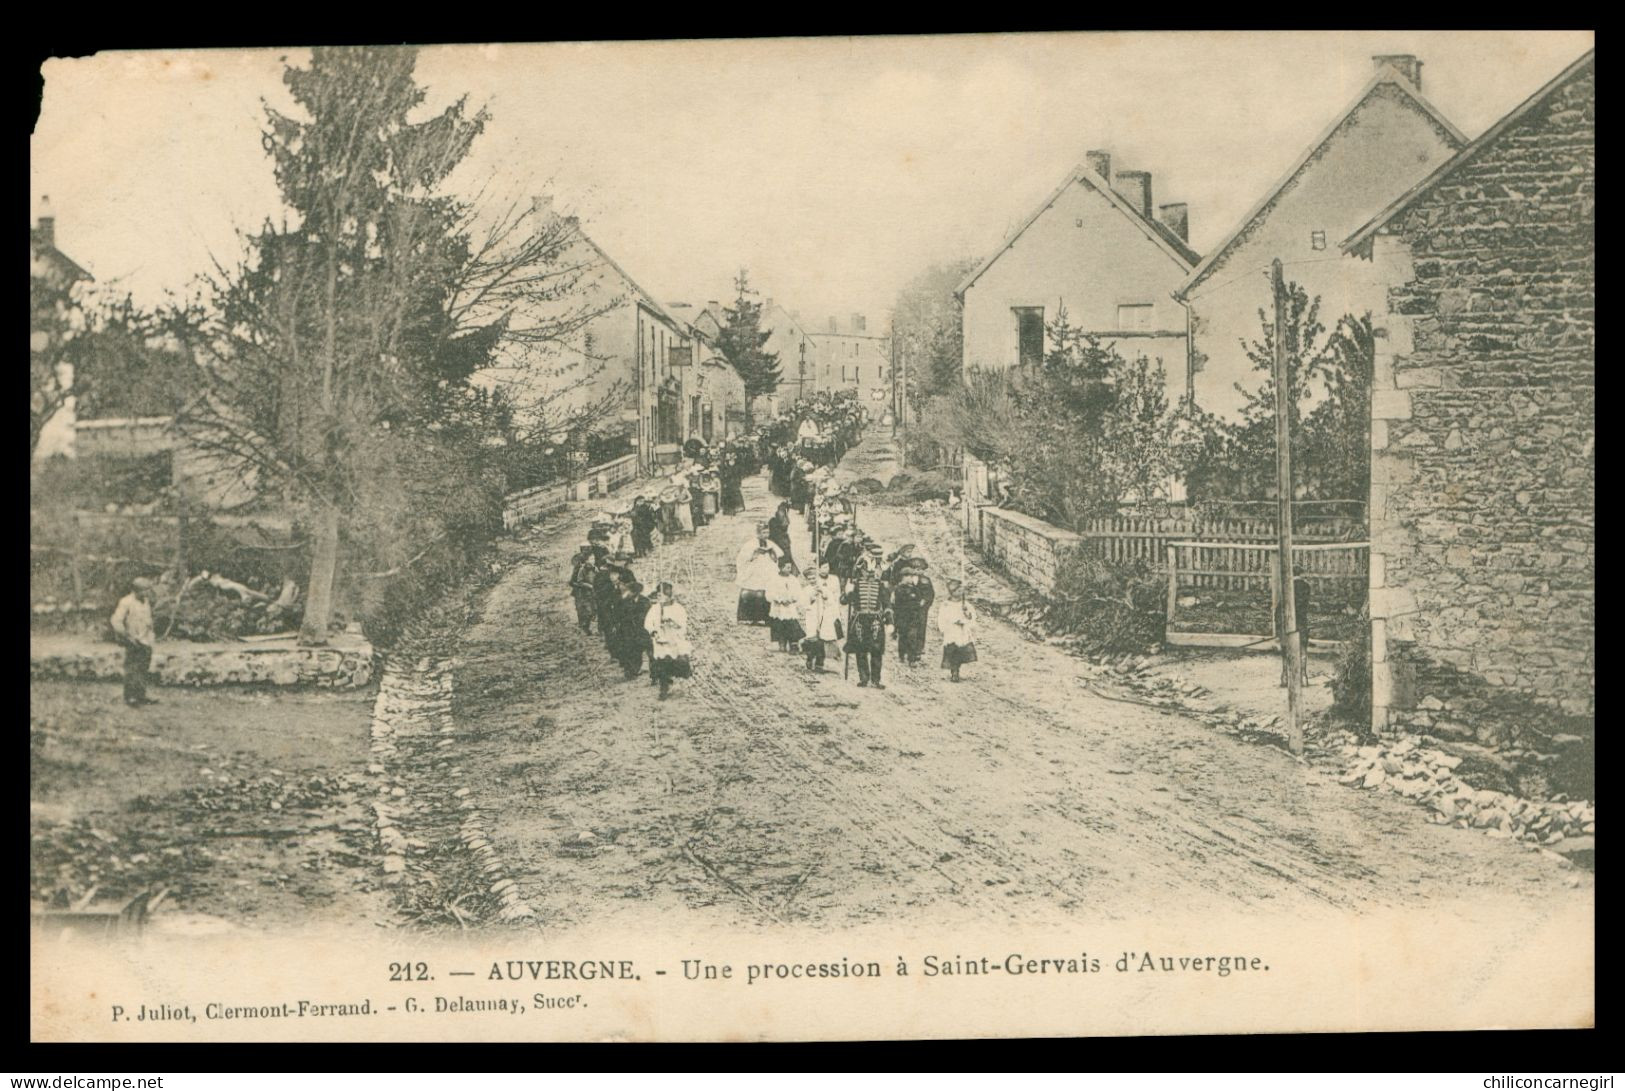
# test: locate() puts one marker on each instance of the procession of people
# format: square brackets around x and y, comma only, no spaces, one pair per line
[847,595]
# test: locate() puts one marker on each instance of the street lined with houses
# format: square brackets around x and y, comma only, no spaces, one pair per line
[1153,557]
[763,794]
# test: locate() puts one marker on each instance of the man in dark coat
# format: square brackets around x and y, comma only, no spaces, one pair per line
[778,530]
[869,600]
[605,592]
[631,640]
[582,567]
[644,521]
[732,474]
[912,597]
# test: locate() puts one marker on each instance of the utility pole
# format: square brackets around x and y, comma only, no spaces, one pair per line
[1288,629]
[896,386]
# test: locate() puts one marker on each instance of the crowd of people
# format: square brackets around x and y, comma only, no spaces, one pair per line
[849,596]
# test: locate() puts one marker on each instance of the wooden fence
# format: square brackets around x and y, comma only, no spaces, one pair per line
[1230,582]
[1125,539]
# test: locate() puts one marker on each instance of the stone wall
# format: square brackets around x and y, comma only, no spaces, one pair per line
[1029,549]
[346,663]
[1483,473]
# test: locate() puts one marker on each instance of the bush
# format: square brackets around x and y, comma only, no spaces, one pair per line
[1351,681]
[912,486]
[1109,607]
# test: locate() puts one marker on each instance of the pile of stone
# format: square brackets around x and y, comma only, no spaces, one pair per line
[71,862]
[275,791]
[1428,775]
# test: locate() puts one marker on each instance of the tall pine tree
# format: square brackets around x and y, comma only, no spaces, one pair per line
[742,342]
[336,337]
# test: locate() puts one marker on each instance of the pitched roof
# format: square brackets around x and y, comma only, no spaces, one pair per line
[48,252]
[1389,75]
[648,300]
[797,326]
[1176,247]
[1487,137]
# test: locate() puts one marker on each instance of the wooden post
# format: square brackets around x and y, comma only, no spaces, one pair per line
[73,563]
[1283,450]
[1173,583]
[1275,598]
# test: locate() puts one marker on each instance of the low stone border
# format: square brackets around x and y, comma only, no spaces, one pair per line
[346,663]
[414,700]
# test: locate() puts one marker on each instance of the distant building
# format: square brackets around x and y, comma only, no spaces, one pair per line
[52,276]
[798,356]
[1483,429]
[1095,249]
[715,393]
[851,356]
[1387,139]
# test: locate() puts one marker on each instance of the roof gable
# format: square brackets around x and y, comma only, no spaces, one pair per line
[1387,77]
[64,267]
[1165,239]
[648,301]
[1485,139]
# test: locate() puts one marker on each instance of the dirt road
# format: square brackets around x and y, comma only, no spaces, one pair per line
[760,793]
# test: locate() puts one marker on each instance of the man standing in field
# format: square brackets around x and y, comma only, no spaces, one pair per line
[132,626]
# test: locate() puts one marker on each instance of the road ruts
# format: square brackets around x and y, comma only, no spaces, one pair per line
[761,795]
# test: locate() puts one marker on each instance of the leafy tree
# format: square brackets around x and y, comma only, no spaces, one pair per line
[1075,434]
[1329,405]
[741,343]
[129,363]
[927,331]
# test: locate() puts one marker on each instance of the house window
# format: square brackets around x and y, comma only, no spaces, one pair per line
[1134,316]
[1317,240]
[1029,335]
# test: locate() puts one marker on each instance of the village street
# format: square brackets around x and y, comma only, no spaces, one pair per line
[762,794]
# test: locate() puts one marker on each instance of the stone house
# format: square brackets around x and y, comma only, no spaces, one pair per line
[798,355]
[715,392]
[1387,139]
[852,357]
[1095,248]
[796,349]
[1483,480]
[631,350]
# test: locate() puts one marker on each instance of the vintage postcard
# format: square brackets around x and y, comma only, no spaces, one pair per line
[1064,534]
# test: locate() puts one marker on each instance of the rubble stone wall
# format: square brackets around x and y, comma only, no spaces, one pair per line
[1482,502]
[344,665]
[1029,549]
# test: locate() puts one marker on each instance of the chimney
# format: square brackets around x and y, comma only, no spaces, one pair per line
[1100,162]
[46,231]
[857,323]
[1408,66]
[834,326]
[1135,186]
[1176,218]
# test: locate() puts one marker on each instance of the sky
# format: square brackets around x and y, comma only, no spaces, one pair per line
[834,169]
